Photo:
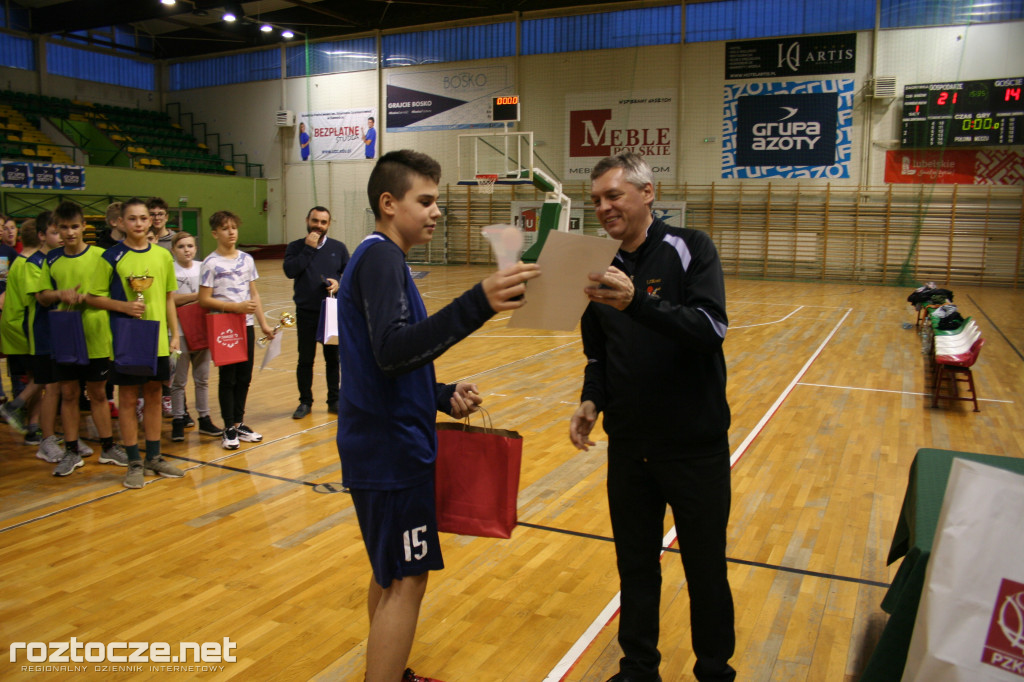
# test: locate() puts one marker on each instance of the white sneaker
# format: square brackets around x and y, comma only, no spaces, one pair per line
[83,449]
[248,435]
[229,439]
[49,450]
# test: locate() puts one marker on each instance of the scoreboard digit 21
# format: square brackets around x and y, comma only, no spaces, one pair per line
[964,114]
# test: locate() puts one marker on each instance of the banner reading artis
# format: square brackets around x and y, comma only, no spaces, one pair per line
[606,123]
[346,135]
[954,167]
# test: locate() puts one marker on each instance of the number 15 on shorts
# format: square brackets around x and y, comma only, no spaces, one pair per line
[415,546]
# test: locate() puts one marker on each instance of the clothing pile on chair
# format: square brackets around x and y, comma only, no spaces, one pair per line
[929,294]
[948,317]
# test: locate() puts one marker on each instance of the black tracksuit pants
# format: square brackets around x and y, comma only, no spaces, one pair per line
[698,491]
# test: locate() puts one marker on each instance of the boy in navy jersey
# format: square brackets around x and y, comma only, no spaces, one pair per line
[389,397]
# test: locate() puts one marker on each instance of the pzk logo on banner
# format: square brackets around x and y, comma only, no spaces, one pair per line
[229,338]
[1004,646]
[786,130]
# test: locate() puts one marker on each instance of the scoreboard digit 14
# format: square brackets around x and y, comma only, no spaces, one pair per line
[964,114]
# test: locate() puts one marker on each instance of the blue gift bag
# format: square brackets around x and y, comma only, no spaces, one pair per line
[67,338]
[135,345]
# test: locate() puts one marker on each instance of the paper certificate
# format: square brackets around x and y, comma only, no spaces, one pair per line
[273,350]
[555,300]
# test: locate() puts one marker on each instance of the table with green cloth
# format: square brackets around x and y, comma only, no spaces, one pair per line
[915,532]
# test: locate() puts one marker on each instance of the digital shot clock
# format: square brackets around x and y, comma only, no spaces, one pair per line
[963,114]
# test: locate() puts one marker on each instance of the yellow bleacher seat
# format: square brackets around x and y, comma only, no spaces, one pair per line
[28,151]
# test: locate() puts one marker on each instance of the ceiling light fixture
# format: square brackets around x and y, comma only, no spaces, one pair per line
[287,34]
[230,16]
[167,2]
[266,28]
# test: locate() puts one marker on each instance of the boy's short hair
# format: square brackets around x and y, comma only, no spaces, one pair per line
[29,234]
[156,202]
[178,236]
[43,222]
[113,212]
[393,174]
[134,201]
[67,210]
[219,218]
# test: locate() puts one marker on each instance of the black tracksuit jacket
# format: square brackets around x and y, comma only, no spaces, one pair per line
[656,370]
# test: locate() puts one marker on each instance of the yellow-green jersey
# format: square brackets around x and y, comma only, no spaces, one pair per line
[17,304]
[121,262]
[83,272]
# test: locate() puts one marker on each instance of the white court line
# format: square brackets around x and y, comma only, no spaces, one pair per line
[570,659]
[763,324]
[883,390]
[607,615]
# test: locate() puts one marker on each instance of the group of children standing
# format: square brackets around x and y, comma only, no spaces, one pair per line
[58,270]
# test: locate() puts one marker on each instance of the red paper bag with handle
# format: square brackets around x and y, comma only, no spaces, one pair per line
[226,334]
[476,481]
[192,320]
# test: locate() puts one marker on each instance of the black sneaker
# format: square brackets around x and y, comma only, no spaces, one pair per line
[207,427]
[34,437]
[188,421]
[178,430]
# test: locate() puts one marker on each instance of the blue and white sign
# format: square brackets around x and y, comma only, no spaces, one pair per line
[788,129]
[31,175]
[448,99]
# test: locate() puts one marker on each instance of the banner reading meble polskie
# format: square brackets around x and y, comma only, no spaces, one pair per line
[605,123]
[333,135]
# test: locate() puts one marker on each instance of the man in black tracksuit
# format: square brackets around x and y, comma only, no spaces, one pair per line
[653,335]
[315,263]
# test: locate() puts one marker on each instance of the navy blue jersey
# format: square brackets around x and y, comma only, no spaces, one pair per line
[389,398]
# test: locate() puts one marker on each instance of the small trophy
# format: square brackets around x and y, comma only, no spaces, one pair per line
[287,320]
[140,283]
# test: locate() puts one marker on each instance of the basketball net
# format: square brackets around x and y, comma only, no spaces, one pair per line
[486,183]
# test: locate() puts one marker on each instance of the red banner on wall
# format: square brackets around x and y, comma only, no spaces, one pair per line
[954,167]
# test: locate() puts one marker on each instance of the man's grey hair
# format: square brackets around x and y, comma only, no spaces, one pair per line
[636,171]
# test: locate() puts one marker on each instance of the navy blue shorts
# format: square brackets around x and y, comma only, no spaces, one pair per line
[400,531]
[163,373]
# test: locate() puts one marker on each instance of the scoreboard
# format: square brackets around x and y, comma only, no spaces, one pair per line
[964,114]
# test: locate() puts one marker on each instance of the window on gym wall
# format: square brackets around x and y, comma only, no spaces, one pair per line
[73,62]
[626,28]
[486,41]
[17,52]
[260,65]
[339,56]
[14,17]
[741,19]
[907,13]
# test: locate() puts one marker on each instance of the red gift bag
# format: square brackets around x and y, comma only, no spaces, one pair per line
[226,335]
[192,320]
[476,480]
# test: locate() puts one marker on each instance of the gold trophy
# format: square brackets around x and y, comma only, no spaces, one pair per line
[287,320]
[140,283]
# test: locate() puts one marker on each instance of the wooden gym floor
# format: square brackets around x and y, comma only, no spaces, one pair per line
[829,404]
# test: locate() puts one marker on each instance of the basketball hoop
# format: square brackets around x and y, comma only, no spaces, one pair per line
[485,182]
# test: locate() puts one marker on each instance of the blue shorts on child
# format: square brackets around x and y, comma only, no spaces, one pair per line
[399,530]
